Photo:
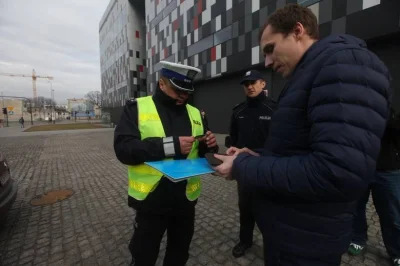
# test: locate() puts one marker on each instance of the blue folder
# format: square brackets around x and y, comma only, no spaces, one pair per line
[177,170]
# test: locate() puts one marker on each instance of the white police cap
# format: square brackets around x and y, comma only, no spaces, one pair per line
[180,76]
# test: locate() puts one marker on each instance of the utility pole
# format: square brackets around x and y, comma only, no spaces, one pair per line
[7,116]
[30,106]
[53,114]
[4,106]
[53,106]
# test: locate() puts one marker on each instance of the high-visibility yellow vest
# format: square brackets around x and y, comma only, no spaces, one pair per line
[144,179]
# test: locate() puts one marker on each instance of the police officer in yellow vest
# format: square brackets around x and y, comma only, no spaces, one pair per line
[162,127]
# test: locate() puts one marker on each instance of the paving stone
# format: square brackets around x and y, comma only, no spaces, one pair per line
[27,253]
[57,263]
[26,260]
[94,226]
[56,249]
[369,262]
[41,264]
[40,259]
[87,254]
[9,260]
[56,257]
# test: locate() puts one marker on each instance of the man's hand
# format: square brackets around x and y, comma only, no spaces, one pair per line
[233,151]
[210,139]
[186,144]
[225,169]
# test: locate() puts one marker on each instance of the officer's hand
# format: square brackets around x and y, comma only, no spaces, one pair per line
[186,144]
[232,150]
[225,169]
[210,139]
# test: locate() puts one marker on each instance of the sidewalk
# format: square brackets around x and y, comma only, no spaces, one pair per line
[19,132]
[94,226]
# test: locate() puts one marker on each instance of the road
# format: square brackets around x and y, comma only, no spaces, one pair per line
[94,226]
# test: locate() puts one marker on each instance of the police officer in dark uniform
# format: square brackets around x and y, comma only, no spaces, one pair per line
[249,128]
[156,128]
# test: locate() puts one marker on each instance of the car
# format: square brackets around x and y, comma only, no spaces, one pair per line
[8,189]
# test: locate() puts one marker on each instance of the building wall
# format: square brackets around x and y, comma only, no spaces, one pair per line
[122,53]
[388,50]
[15,109]
[218,96]
[221,38]
[80,105]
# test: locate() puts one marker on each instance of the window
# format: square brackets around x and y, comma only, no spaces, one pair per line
[308,2]
[137,34]
[137,54]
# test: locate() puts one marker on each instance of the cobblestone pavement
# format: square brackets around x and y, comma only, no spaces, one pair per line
[94,226]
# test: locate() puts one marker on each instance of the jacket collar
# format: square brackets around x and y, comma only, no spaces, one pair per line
[255,101]
[162,98]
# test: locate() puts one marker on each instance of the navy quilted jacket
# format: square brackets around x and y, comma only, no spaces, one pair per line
[322,149]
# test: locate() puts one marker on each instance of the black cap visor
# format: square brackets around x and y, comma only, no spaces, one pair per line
[249,79]
[182,85]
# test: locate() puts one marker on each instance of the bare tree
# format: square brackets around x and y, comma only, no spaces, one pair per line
[95,98]
[60,109]
[38,104]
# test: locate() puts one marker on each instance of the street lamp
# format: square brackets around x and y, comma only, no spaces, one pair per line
[52,102]
[53,106]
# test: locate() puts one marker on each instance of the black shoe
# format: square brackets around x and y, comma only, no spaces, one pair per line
[240,249]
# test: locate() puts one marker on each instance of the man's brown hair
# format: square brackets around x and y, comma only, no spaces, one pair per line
[284,20]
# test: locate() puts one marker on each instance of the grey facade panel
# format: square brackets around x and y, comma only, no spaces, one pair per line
[156,20]
[248,25]
[325,11]
[169,8]
[354,6]
[241,44]
[201,45]
[223,35]
[235,29]
[263,15]
[339,26]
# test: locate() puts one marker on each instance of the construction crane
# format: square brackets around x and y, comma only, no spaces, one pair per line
[33,76]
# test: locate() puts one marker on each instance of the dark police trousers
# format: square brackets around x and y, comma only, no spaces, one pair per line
[386,196]
[149,229]
[247,220]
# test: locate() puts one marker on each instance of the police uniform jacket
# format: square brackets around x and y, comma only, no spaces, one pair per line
[250,122]
[131,150]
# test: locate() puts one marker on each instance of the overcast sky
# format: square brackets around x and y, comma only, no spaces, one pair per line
[56,38]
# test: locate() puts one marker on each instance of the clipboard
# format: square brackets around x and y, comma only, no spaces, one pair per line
[179,170]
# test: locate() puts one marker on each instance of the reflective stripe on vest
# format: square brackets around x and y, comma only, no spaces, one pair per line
[143,179]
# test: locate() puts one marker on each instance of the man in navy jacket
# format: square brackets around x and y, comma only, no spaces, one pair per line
[323,144]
